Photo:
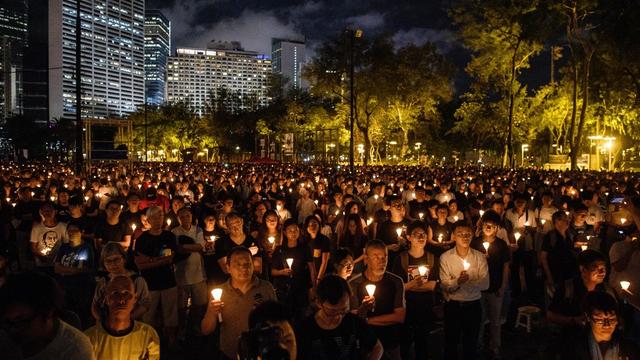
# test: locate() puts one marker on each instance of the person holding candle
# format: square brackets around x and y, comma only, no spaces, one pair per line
[564,309]
[498,260]
[544,213]
[132,213]
[269,236]
[189,270]
[392,231]
[74,267]
[119,335]
[46,238]
[154,253]
[625,267]
[454,214]
[464,274]
[341,263]
[293,282]
[557,256]
[319,245]
[522,222]
[237,237]
[418,208]
[416,267]
[385,309]
[211,234]
[354,237]
[111,228]
[333,332]
[240,294]
[440,231]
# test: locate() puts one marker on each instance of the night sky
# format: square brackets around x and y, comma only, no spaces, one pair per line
[255,22]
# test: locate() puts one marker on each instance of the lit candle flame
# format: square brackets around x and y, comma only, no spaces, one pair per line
[289,262]
[583,247]
[369,221]
[465,265]
[371,289]
[455,218]
[217,295]
[422,270]
[517,235]
[623,220]
[421,215]
[625,285]
[168,222]
[133,227]
[486,245]
[399,231]
[271,239]
[542,221]
[481,212]
[439,237]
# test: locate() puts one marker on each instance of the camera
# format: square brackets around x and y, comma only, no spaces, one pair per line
[262,342]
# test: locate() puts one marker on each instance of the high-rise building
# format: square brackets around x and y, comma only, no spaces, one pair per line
[112,58]
[288,57]
[13,32]
[157,48]
[198,76]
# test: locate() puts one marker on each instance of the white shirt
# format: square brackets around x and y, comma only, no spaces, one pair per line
[451,265]
[191,270]
[48,240]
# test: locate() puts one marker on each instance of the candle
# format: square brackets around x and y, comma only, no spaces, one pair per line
[217,295]
[466,193]
[375,196]
[86,198]
[568,213]
[465,265]
[622,221]
[337,212]
[13,204]
[369,221]
[625,285]
[583,247]
[8,199]
[212,238]
[422,270]
[168,222]
[542,221]
[588,237]
[455,218]
[481,212]
[517,235]
[439,238]
[399,231]
[526,223]
[316,202]
[133,227]
[371,289]
[289,262]
[486,245]
[271,239]
[53,198]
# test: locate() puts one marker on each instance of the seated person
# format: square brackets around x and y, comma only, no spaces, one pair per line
[601,338]
[119,336]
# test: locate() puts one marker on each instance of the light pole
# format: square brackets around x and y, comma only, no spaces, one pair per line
[524,148]
[609,146]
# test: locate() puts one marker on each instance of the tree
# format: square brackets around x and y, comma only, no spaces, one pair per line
[415,83]
[500,37]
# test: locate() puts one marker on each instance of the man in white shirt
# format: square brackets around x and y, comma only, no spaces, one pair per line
[464,274]
[189,269]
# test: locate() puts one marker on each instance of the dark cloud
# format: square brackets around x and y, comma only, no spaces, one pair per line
[255,22]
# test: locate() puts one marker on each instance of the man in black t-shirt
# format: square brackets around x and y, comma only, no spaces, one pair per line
[111,228]
[392,231]
[385,308]
[154,251]
[558,257]
[333,332]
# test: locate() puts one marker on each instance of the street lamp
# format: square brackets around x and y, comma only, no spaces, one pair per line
[206,150]
[524,148]
[609,146]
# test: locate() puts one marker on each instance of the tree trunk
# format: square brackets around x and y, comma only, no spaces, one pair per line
[509,147]
[367,147]
[583,110]
[405,143]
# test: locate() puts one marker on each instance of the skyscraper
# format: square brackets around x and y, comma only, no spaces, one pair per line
[13,31]
[112,57]
[157,48]
[288,57]
[197,76]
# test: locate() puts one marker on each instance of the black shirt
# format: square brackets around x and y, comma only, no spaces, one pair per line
[318,246]
[107,232]
[300,276]
[211,266]
[561,256]
[162,277]
[499,254]
[389,295]
[419,303]
[352,339]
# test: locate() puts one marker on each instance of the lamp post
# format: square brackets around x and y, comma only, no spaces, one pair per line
[609,146]
[524,148]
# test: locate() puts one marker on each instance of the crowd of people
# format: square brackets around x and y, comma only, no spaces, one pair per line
[292,261]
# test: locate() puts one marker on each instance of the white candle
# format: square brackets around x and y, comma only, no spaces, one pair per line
[517,235]
[465,265]
[526,223]
[399,231]
[422,270]
[168,222]
[588,237]
[542,221]
[133,227]
[316,202]
[371,289]
[455,218]
[53,198]
[271,239]
[583,247]
[625,285]
[217,295]
[466,193]
[439,237]
[481,212]
[369,221]
[486,245]
[289,262]
[375,196]
[421,215]
[622,221]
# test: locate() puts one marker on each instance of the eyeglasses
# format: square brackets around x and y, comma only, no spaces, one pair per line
[465,235]
[605,321]
[419,235]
